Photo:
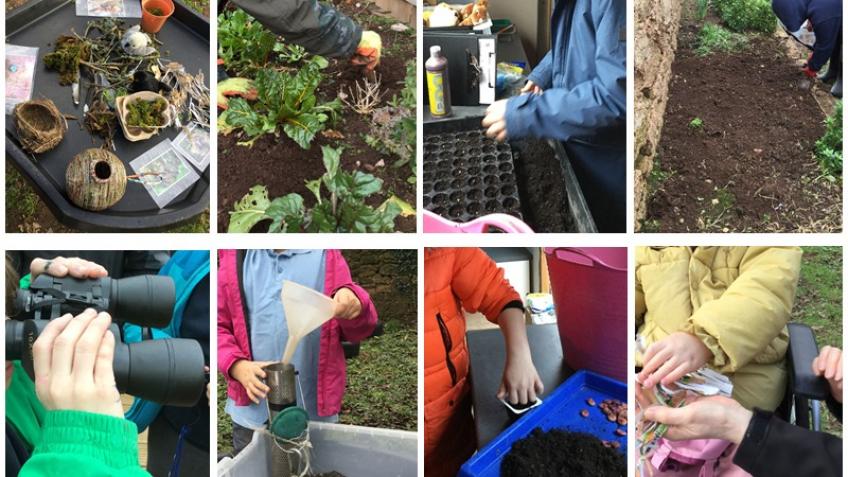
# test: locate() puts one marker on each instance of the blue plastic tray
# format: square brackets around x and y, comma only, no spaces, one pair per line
[561,409]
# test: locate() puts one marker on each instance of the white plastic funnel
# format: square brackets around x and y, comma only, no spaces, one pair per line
[306,309]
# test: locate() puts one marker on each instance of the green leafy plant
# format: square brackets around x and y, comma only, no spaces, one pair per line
[713,37]
[829,146]
[244,44]
[747,15]
[340,204]
[403,136]
[696,123]
[283,100]
[290,53]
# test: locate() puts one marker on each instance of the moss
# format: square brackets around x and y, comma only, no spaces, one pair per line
[66,58]
[142,113]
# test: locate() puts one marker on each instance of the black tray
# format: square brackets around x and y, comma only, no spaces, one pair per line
[186,40]
[580,219]
[466,174]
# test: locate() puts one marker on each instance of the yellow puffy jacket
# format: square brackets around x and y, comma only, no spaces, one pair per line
[737,300]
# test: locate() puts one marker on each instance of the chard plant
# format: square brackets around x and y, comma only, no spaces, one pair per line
[284,101]
[243,43]
[340,204]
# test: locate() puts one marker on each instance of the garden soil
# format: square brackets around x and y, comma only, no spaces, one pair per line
[558,453]
[541,186]
[750,168]
[282,166]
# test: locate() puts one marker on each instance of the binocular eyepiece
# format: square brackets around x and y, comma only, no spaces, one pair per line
[167,371]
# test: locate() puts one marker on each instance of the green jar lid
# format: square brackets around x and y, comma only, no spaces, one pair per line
[289,423]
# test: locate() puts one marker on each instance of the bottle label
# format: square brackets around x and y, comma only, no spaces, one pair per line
[436,88]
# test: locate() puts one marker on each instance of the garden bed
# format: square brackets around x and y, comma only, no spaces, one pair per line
[284,167]
[737,146]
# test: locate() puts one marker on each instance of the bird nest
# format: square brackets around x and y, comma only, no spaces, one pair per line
[40,125]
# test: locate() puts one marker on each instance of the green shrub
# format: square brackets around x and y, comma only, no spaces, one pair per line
[713,37]
[747,15]
[829,147]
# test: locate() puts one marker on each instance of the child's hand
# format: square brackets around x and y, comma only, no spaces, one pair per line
[61,267]
[495,121]
[521,383]
[250,374]
[829,364]
[347,306]
[671,358]
[72,360]
[531,87]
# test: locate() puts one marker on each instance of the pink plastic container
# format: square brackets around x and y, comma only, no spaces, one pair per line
[434,223]
[589,286]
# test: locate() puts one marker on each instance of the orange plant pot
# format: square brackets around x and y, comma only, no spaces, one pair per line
[153,23]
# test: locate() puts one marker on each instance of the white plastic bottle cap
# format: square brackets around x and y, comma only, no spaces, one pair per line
[435,50]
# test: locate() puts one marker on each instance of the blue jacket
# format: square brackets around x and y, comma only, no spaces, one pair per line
[584,77]
[826,17]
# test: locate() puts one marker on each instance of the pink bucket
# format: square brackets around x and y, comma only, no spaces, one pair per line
[589,286]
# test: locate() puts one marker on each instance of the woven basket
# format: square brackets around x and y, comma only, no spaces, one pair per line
[40,125]
[96,179]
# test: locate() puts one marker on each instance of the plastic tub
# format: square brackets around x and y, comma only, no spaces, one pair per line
[560,410]
[351,450]
[589,286]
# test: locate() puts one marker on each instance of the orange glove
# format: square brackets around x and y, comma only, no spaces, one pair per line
[368,52]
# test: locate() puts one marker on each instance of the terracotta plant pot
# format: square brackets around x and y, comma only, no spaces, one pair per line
[132,133]
[150,22]
[95,179]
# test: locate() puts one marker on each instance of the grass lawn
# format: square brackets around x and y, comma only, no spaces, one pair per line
[818,303]
[382,385]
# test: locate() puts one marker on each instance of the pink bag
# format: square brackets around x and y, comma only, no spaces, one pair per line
[700,457]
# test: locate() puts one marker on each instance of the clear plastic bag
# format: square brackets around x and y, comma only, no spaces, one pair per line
[109,8]
[20,74]
[166,174]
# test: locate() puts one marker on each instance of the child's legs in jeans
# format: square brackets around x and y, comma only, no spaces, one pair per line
[241,438]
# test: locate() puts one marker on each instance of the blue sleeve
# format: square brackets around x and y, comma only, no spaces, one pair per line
[587,108]
[826,34]
[542,73]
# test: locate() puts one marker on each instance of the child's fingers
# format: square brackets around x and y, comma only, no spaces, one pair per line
[833,359]
[88,348]
[662,368]
[653,361]
[513,395]
[262,387]
[675,374]
[501,391]
[522,395]
[540,387]
[531,394]
[64,346]
[42,349]
[104,375]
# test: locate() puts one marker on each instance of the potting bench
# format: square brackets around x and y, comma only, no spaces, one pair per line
[184,38]
[487,356]
[510,49]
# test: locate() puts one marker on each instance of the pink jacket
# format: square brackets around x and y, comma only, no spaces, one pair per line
[234,343]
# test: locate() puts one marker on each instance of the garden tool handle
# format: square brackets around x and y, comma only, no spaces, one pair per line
[593,261]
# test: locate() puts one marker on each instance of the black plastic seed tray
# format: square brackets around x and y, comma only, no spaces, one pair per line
[466,174]
[185,39]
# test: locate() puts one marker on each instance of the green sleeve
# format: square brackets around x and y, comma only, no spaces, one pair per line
[23,409]
[84,444]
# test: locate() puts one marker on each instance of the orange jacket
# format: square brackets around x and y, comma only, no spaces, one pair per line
[454,279]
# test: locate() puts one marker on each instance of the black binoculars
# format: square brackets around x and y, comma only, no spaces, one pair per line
[167,371]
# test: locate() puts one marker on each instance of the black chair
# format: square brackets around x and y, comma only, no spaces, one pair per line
[804,391]
[351,349]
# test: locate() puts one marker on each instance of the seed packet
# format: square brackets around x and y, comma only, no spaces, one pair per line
[109,8]
[165,173]
[20,74]
[193,144]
